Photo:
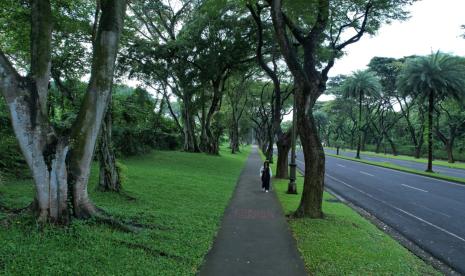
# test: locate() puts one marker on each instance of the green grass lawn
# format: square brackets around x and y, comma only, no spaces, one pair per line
[344,243]
[456,165]
[403,169]
[182,195]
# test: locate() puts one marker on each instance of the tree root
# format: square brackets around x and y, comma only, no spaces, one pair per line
[127,196]
[116,224]
[151,251]
[7,209]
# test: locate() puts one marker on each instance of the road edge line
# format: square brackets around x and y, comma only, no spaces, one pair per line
[419,173]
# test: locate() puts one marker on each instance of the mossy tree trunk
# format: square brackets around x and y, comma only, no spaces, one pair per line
[60,165]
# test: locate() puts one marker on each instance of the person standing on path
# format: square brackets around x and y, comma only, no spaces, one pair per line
[265,175]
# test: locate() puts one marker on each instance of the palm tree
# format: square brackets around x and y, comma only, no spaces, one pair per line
[433,78]
[359,85]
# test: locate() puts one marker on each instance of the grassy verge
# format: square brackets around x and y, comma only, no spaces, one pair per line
[182,195]
[403,169]
[344,243]
[457,165]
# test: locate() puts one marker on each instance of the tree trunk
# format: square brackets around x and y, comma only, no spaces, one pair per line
[212,146]
[269,146]
[284,145]
[417,153]
[378,144]
[359,143]
[449,150]
[314,157]
[430,131]
[60,166]
[235,138]
[190,141]
[203,133]
[109,179]
[393,146]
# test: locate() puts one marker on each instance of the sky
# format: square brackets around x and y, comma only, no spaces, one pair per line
[433,25]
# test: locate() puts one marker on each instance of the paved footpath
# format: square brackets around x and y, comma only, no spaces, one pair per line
[254,238]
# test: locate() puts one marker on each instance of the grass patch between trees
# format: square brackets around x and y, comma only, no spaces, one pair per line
[180,198]
[345,243]
[456,165]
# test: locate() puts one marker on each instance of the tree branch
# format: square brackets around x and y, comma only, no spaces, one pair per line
[8,77]
[41,46]
[289,52]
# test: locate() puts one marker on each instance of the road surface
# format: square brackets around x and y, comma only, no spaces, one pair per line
[429,212]
[408,164]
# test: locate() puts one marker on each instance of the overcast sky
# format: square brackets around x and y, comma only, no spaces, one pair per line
[434,25]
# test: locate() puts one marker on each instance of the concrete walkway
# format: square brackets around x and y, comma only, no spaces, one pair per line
[254,238]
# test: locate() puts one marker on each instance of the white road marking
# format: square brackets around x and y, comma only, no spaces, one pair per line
[365,173]
[411,174]
[400,210]
[432,210]
[414,188]
[341,165]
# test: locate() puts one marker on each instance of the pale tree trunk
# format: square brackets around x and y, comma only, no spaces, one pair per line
[60,165]
[109,178]
[190,141]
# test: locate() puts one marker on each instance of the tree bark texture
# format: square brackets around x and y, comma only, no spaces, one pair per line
[60,165]
[284,145]
[314,158]
[109,178]
[190,140]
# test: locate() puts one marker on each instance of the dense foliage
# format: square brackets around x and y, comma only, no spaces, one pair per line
[395,120]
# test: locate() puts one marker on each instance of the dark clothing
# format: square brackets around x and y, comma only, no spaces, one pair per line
[266,179]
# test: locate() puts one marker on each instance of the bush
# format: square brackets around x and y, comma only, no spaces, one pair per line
[12,162]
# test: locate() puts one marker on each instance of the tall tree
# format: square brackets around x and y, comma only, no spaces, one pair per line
[283,139]
[360,85]
[237,98]
[450,125]
[318,29]
[60,164]
[433,78]
[156,55]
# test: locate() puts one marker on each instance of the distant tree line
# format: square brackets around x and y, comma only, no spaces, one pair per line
[399,106]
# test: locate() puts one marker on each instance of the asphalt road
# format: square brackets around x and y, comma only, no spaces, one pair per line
[408,164]
[429,212]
